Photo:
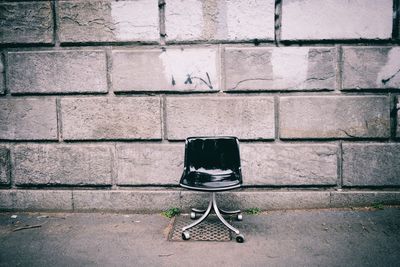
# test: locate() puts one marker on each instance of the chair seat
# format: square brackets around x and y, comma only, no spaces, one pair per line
[211,180]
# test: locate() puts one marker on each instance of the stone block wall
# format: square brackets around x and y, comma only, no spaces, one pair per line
[98,96]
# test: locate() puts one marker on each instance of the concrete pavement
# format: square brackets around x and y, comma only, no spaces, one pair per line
[360,237]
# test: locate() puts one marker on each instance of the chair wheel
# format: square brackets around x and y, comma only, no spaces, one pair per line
[239,217]
[240,238]
[186,235]
[193,215]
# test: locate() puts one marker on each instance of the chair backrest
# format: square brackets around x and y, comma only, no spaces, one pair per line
[212,153]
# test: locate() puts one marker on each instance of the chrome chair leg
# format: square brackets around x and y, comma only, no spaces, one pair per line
[222,218]
[202,218]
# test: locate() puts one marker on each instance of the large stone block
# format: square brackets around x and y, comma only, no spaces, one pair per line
[4,165]
[28,119]
[286,68]
[2,84]
[57,72]
[26,22]
[191,69]
[340,199]
[108,21]
[371,164]
[144,164]
[231,20]
[125,200]
[371,67]
[336,19]
[244,117]
[262,199]
[96,118]
[6,199]
[334,117]
[62,164]
[36,200]
[268,164]
[398,116]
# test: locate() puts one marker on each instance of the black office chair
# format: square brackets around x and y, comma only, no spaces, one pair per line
[212,164]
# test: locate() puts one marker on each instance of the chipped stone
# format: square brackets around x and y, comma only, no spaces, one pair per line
[287,68]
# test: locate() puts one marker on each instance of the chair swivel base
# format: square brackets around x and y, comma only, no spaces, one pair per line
[213,205]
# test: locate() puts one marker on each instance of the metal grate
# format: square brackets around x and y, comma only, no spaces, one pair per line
[211,229]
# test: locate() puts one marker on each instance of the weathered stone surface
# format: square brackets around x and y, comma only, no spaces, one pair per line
[310,164]
[371,164]
[371,67]
[157,200]
[262,199]
[286,68]
[62,164]
[244,117]
[57,72]
[26,22]
[36,200]
[96,118]
[108,21]
[2,85]
[124,200]
[334,117]
[144,164]
[398,116]
[341,199]
[6,199]
[191,69]
[4,165]
[336,19]
[189,20]
[28,119]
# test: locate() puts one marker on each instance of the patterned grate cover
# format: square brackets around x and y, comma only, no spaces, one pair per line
[211,229]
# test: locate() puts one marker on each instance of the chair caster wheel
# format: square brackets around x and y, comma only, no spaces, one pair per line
[240,238]
[186,235]
[239,217]
[193,215]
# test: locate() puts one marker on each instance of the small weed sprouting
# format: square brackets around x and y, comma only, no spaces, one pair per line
[378,206]
[253,211]
[171,212]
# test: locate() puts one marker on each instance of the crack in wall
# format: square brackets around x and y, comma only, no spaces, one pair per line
[247,80]
[384,81]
